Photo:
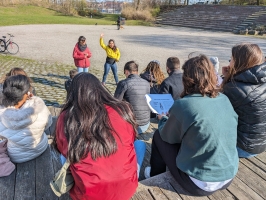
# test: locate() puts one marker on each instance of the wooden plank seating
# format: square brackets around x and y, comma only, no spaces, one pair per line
[249,184]
[31,179]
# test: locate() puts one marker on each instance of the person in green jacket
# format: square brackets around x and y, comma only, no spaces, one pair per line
[113,56]
[197,140]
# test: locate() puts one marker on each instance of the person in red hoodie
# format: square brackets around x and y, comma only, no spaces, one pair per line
[81,55]
[96,133]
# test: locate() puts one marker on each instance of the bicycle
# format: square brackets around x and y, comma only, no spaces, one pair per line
[8,45]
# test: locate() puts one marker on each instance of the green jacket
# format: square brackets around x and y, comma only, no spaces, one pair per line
[207,130]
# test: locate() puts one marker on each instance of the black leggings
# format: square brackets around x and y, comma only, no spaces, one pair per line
[164,154]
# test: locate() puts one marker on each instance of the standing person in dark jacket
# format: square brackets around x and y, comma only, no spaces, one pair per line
[173,84]
[81,55]
[133,90]
[245,86]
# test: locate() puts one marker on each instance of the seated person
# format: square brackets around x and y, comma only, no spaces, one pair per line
[173,84]
[23,119]
[14,71]
[245,86]
[98,138]
[197,142]
[133,90]
[72,73]
[154,75]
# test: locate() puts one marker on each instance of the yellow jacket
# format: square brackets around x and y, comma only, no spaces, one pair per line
[110,52]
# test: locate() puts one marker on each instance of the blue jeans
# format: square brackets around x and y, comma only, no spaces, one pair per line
[107,67]
[244,154]
[140,149]
[142,129]
[81,69]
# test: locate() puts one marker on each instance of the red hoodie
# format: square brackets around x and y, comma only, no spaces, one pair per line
[79,57]
[111,178]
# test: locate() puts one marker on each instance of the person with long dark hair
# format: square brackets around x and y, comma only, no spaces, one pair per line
[113,56]
[81,55]
[197,142]
[245,86]
[96,133]
[23,119]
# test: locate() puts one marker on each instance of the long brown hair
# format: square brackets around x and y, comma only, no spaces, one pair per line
[154,69]
[114,48]
[245,56]
[199,77]
[87,124]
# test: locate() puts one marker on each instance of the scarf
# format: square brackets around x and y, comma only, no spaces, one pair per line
[82,47]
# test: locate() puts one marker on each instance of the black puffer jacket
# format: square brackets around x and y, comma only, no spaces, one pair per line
[154,87]
[133,90]
[247,94]
[173,84]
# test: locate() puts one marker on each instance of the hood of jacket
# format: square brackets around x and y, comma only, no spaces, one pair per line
[255,75]
[20,118]
[247,86]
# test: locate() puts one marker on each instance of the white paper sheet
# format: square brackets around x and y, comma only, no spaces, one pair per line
[159,103]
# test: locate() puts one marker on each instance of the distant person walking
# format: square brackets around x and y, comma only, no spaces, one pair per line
[113,56]
[118,21]
[81,55]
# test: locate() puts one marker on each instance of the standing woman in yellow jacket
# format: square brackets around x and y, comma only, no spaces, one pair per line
[113,56]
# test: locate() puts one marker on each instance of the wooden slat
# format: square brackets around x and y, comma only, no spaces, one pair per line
[157,194]
[262,157]
[241,191]
[184,194]
[143,195]
[25,181]
[221,195]
[256,166]
[254,181]
[44,174]
[7,186]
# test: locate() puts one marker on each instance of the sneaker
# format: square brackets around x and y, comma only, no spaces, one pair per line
[147,172]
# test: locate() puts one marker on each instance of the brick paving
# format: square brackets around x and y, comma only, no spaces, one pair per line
[49,78]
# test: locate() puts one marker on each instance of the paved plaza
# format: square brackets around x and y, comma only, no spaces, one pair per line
[46,50]
[55,43]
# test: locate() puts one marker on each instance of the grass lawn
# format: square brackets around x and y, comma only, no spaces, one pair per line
[19,15]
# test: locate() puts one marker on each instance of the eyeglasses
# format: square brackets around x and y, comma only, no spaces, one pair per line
[156,61]
[82,40]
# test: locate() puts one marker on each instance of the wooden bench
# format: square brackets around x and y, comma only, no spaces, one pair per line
[249,183]
[30,180]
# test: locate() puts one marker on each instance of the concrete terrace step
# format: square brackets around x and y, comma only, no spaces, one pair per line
[213,17]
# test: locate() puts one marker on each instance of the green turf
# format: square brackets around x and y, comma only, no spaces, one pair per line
[19,15]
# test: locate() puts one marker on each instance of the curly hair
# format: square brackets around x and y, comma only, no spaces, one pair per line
[154,69]
[199,77]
